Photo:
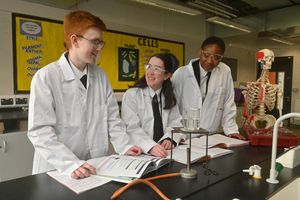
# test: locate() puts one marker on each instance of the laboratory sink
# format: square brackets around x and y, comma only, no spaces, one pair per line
[290,191]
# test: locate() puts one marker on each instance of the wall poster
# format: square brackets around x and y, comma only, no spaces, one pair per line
[39,41]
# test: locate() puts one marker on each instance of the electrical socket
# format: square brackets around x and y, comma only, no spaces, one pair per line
[14,101]
[7,101]
[21,100]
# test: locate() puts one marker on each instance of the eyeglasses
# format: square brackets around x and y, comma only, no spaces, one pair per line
[215,57]
[98,44]
[155,69]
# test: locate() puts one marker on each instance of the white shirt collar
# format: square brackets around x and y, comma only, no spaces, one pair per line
[157,92]
[202,71]
[77,72]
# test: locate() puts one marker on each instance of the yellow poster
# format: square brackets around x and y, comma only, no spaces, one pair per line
[124,56]
[39,42]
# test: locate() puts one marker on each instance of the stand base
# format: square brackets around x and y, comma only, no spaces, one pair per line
[273,181]
[188,174]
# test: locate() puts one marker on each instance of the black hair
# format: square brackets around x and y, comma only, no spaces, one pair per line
[171,64]
[214,40]
[175,62]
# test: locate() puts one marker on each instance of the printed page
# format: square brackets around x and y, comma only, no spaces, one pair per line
[216,152]
[122,165]
[180,153]
[230,142]
[216,140]
[157,160]
[77,185]
[201,142]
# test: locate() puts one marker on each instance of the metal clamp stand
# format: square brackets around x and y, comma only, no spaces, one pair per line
[188,172]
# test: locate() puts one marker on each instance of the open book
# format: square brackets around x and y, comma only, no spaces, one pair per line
[197,154]
[78,185]
[124,168]
[216,140]
[119,168]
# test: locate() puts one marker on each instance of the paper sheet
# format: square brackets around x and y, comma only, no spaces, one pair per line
[78,185]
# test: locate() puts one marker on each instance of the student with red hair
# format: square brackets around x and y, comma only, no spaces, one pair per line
[73,114]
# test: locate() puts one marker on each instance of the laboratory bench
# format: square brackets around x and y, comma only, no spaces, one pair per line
[241,186]
[226,181]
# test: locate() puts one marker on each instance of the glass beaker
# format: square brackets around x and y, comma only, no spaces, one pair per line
[191,119]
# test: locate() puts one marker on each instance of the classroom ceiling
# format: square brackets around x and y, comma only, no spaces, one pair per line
[238,7]
[242,8]
[63,4]
[287,29]
[268,18]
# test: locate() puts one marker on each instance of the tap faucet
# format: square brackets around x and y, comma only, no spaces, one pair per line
[273,173]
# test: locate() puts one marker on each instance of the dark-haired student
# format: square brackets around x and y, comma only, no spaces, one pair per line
[206,83]
[149,108]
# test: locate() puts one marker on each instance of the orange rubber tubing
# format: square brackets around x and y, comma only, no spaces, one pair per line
[147,182]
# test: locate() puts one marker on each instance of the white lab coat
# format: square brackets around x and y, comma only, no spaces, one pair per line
[218,108]
[69,124]
[137,114]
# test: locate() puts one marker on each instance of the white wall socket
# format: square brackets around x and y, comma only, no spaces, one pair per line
[7,101]
[19,100]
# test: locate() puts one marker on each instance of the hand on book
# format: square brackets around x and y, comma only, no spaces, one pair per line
[134,151]
[237,136]
[167,144]
[159,151]
[83,171]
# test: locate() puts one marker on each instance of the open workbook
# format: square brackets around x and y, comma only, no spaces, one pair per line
[197,154]
[124,168]
[217,140]
[198,147]
[78,185]
[119,168]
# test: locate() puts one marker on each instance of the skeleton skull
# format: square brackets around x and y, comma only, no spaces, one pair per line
[265,57]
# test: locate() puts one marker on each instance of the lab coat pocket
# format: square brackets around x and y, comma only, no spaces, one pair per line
[213,109]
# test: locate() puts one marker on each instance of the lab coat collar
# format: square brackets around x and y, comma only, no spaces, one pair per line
[191,75]
[191,67]
[192,79]
[65,67]
[68,72]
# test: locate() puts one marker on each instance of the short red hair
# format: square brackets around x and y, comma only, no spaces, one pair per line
[77,22]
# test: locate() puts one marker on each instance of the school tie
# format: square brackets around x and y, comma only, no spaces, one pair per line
[158,126]
[83,80]
[207,80]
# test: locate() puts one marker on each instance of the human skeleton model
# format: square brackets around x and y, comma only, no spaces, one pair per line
[262,93]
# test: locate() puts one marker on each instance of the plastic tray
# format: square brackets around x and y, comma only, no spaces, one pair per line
[263,137]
